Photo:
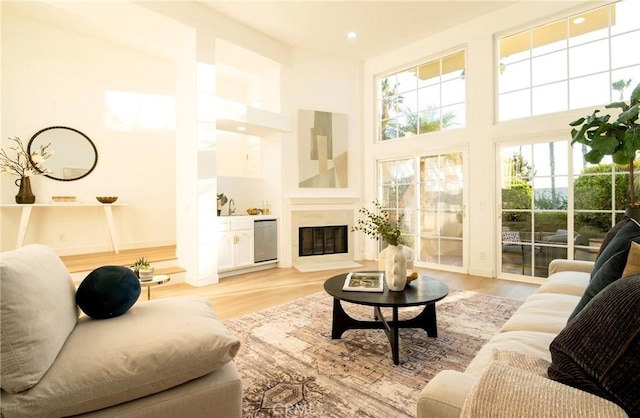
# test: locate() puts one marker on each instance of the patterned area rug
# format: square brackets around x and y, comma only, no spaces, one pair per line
[290,366]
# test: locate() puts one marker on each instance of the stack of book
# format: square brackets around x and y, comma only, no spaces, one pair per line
[366,281]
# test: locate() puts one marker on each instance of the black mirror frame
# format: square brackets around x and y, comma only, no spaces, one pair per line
[95,152]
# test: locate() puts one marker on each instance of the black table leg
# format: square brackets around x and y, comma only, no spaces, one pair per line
[392,331]
[425,320]
[341,321]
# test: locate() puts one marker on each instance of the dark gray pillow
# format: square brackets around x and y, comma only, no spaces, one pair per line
[611,234]
[599,350]
[610,264]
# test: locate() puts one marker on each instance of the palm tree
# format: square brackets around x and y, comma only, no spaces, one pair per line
[620,85]
[391,101]
[427,121]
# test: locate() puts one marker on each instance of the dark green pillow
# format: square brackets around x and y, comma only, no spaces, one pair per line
[108,291]
[599,351]
[610,264]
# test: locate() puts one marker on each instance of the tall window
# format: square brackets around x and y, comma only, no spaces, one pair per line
[428,191]
[542,219]
[397,194]
[583,60]
[426,98]
[535,204]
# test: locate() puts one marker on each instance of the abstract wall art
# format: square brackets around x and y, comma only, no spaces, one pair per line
[322,149]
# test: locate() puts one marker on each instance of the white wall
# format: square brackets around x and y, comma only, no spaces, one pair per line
[320,82]
[56,76]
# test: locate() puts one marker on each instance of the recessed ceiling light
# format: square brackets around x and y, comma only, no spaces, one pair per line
[241,128]
[578,20]
[352,35]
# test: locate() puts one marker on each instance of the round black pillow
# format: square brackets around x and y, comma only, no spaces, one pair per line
[108,291]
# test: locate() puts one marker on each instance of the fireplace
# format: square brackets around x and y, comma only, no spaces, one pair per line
[320,213]
[320,240]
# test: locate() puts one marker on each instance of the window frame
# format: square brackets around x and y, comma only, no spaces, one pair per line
[443,79]
[613,74]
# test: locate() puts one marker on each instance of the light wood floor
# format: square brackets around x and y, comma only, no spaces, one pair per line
[239,295]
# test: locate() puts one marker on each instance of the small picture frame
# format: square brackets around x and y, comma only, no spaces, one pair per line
[366,281]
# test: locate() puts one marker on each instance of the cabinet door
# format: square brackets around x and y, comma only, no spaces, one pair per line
[243,248]
[226,250]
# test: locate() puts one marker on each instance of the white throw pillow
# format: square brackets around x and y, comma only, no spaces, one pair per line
[38,311]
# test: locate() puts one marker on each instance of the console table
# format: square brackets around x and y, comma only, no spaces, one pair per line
[26,216]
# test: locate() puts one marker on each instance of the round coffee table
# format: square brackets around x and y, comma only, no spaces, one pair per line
[422,291]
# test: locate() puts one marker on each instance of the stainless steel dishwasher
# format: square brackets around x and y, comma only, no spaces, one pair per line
[265,240]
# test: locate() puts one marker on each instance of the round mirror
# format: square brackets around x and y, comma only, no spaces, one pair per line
[75,156]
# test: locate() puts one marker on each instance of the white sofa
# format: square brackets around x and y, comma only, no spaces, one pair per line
[522,342]
[162,358]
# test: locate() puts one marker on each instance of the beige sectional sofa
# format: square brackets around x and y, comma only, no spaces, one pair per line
[523,342]
[163,358]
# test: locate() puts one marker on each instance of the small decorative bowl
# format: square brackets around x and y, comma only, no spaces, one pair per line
[107,199]
[254,211]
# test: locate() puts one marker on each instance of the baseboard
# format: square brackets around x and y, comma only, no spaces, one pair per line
[306,268]
[251,269]
[482,272]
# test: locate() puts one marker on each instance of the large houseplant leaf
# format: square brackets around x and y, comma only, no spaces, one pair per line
[619,138]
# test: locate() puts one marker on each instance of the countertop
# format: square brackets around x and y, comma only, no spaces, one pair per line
[247,217]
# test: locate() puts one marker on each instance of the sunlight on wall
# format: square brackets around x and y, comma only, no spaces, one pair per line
[133,112]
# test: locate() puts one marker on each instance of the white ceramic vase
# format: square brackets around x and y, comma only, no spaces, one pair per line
[395,272]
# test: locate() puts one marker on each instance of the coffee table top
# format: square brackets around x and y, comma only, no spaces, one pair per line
[421,291]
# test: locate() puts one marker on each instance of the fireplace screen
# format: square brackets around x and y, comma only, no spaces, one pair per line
[319,240]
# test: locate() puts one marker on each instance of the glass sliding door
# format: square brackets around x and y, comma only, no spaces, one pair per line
[397,194]
[555,205]
[429,192]
[441,210]
[535,226]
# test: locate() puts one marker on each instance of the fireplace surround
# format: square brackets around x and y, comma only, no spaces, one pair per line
[307,213]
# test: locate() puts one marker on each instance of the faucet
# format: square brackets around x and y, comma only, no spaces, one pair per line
[232,207]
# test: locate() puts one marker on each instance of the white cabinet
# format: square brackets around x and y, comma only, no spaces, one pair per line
[243,251]
[235,245]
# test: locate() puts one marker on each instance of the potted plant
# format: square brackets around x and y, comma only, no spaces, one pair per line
[620,139]
[378,225]
[143,269]
[24,165]
[222,200]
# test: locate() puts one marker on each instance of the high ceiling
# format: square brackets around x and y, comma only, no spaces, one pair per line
[382,26]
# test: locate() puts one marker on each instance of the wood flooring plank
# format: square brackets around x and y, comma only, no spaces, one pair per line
[246,293]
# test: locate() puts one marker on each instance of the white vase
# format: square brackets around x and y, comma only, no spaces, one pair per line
[395,272]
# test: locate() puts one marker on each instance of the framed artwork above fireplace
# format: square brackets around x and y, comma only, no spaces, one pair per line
[322,149]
